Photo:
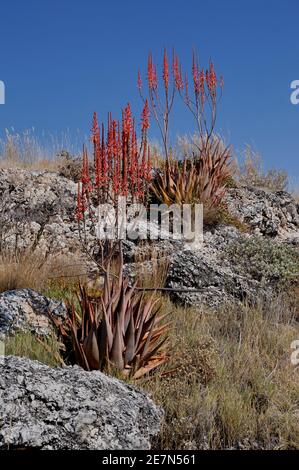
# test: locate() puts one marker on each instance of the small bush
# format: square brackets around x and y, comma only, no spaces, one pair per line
[251,172]
[202,179]
[70,166]
[268,263]
[122,329]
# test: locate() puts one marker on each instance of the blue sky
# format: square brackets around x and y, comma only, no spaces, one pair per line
[62,60]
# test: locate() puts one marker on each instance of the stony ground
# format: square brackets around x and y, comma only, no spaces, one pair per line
[247,259]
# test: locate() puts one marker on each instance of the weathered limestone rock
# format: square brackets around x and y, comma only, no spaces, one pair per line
[268,213]
[69,408]
[27,310]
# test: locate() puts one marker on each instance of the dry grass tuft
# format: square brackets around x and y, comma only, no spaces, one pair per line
[31,270]
[27,344]
[251,172]
[37,151]
[232,385]
[152,267]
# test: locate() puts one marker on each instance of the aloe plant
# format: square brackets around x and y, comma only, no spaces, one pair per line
[198,180]
[122,329]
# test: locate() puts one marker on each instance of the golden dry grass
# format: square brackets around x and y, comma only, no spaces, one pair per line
[152,267]
[31,270]
[36,151]
[232,383]
[229,382]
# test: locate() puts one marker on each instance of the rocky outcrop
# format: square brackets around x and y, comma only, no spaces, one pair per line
[213,280]
[69,408]
[266,212]
[231,267]
[37,211]
[27,310]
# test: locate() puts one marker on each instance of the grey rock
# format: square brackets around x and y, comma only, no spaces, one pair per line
[268,213]
[37,210]
[27,310]
[69,408]
[214,278]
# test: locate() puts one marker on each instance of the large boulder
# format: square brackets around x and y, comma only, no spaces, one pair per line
[27,310]
[37,211]
[266,212]
[231,266]
[204,277]
[69,408]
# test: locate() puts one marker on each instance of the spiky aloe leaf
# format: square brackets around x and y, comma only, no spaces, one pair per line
[118,347]
[91,350]
[122,328]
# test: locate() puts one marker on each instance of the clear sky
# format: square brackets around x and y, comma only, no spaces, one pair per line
[63,59]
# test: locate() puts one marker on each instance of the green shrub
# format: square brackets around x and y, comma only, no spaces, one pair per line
[268,263]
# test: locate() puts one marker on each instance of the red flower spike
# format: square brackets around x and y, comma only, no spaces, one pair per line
[165,73]
[96,149]
[110,145]
[104,158]
[202,87]
[85,177]
[211,78]
[195,75]
[177,74]
[127,120]
[151,73]
[145,116]
[95,128]
[139,81]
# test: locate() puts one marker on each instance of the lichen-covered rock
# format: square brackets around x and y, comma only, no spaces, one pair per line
[213,281]
[37,211]
[69,408]
[231,266]
[267,212]
[27,310]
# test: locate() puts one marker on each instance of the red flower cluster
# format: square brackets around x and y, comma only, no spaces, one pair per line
[145,116]
[211,78]
[177,73]
[165,72]
[198,79]
[151,73]
[120,167]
